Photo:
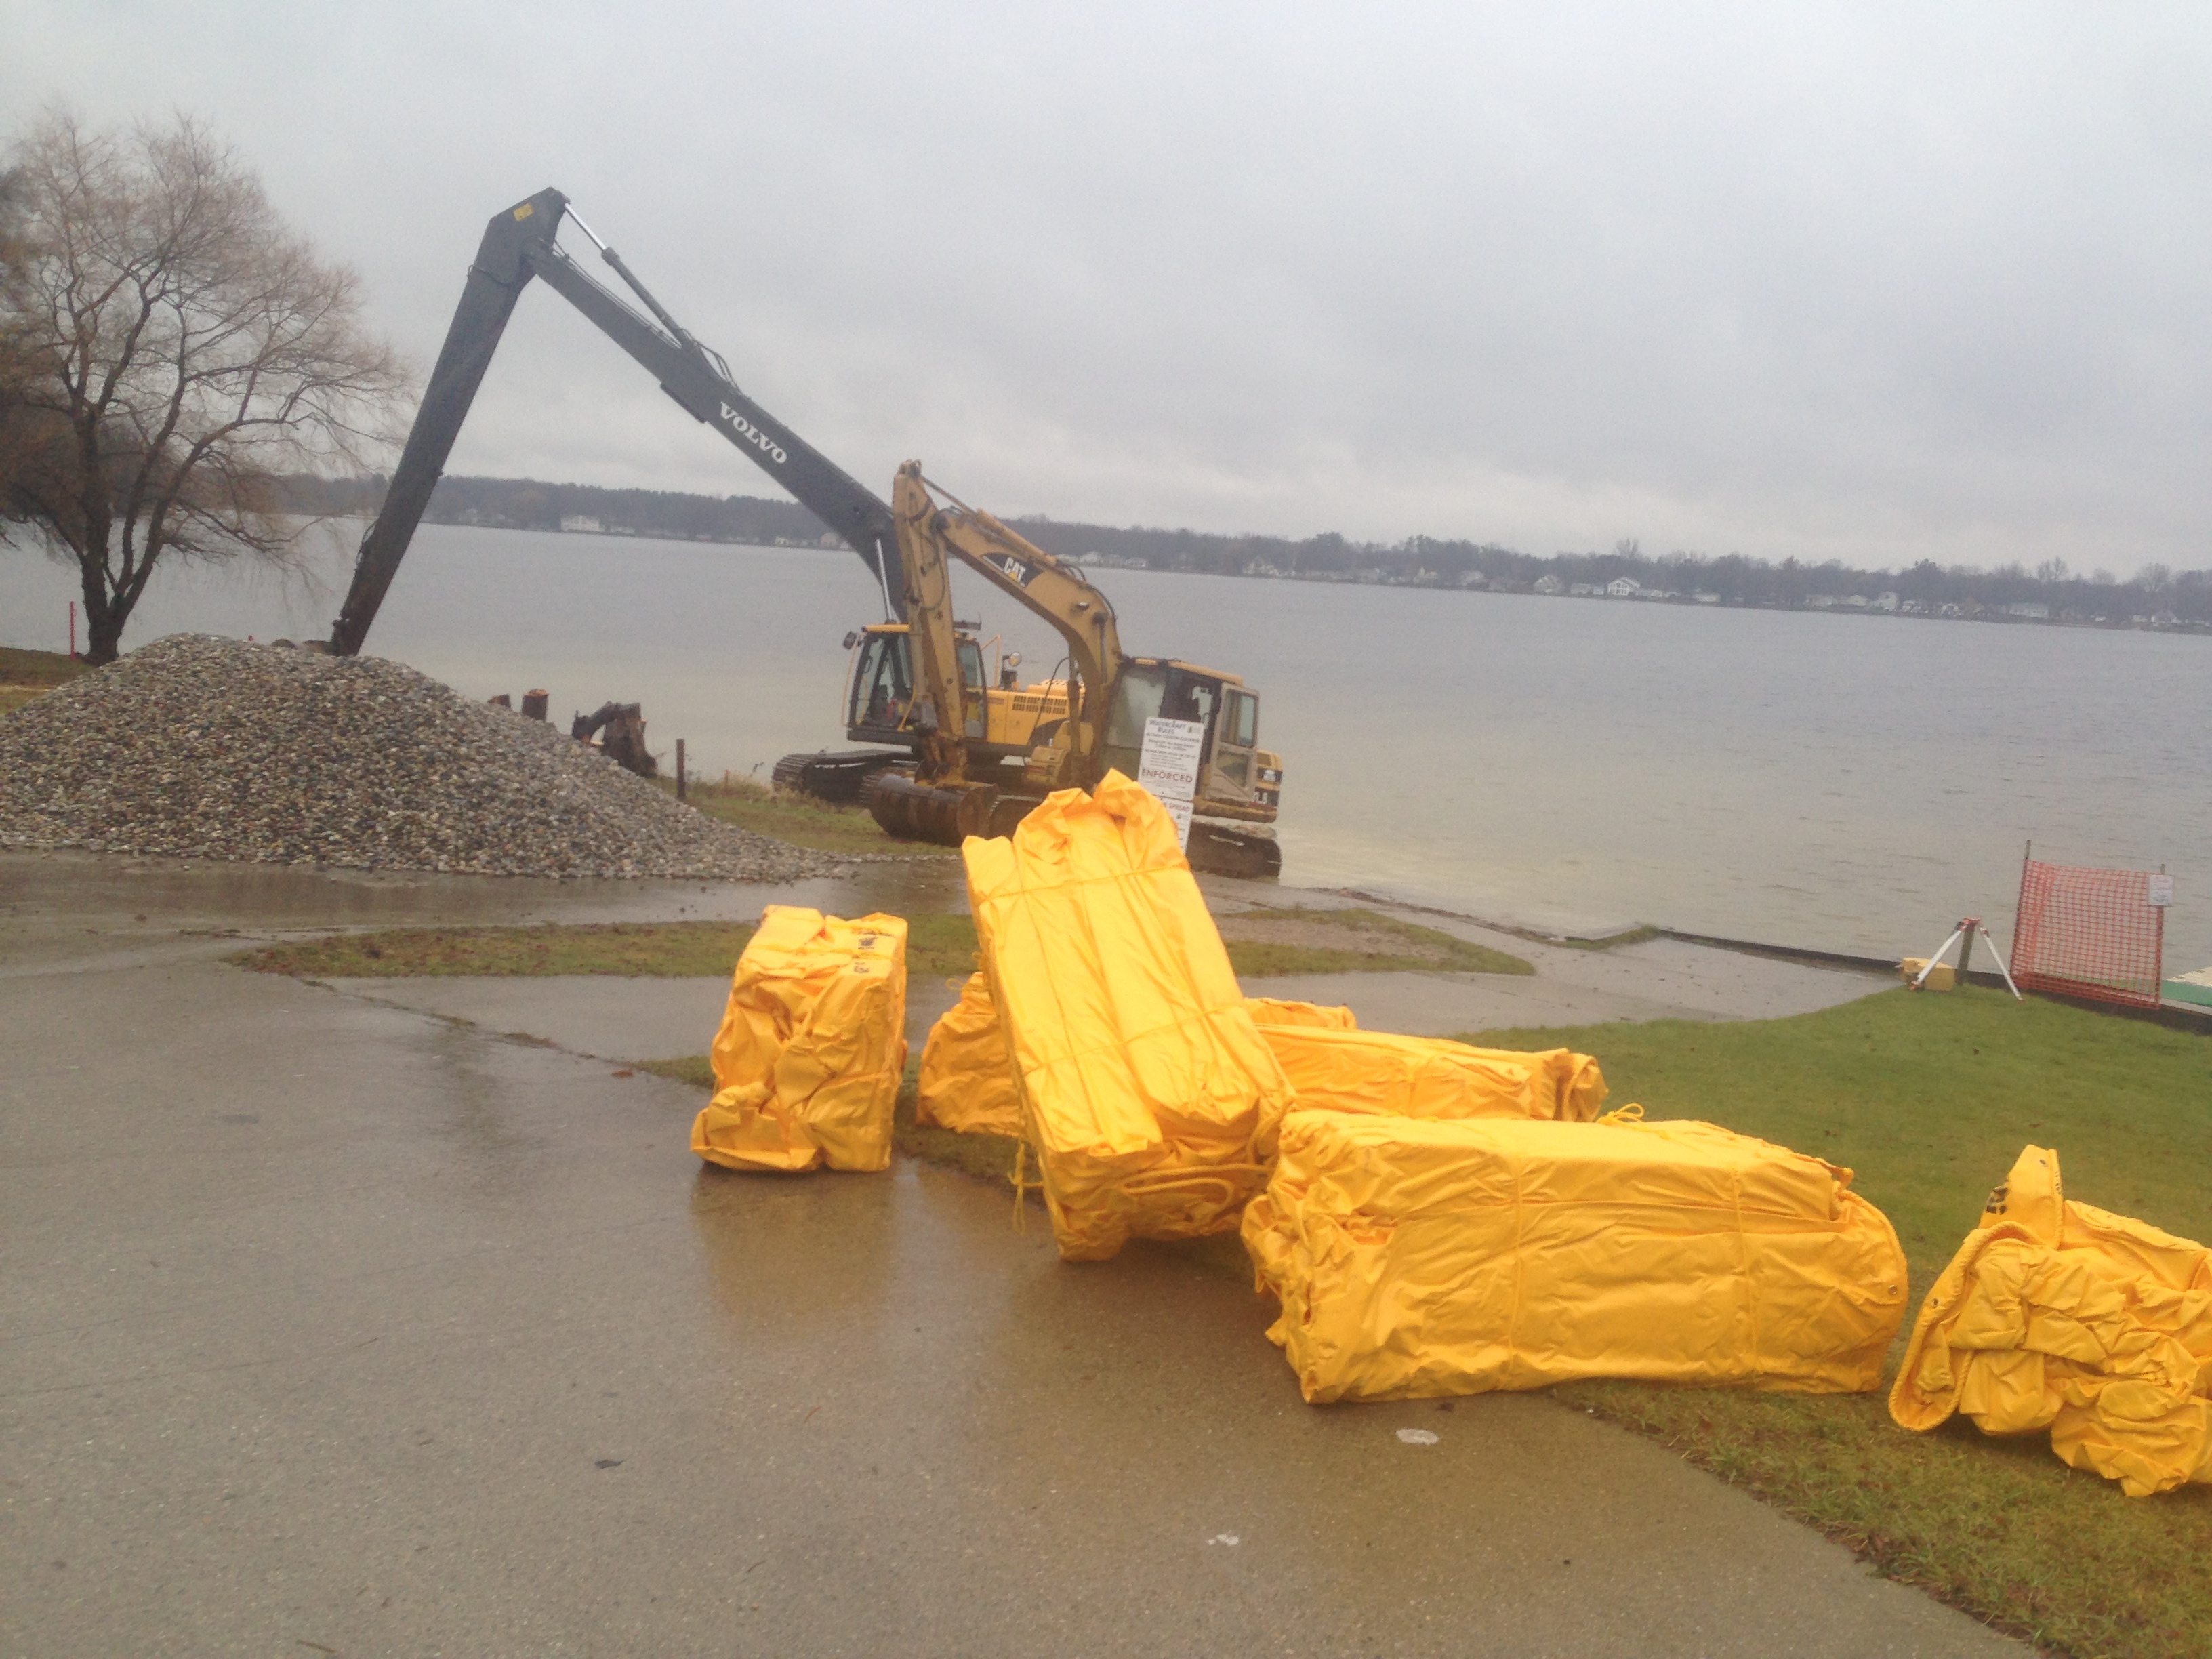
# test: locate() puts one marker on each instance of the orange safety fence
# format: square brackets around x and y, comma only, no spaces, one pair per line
[2089,934]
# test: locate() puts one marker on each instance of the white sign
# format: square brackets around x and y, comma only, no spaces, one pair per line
[1180,812]
[2161,891]
[1168,767]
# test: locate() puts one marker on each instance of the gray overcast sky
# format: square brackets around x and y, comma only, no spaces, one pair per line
[1875,282]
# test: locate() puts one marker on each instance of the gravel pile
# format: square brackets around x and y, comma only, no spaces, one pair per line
[201,747]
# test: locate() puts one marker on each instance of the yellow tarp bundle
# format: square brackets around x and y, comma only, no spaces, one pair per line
[812,1046]
[1274,1011]
[1145,1088]
[1418,1257]
[967,1081]
[2057,1315]
[1381,1074]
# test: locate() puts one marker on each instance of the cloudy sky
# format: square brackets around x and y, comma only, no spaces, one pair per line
[1875,282]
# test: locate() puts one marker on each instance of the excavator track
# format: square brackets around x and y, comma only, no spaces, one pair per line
[831,775]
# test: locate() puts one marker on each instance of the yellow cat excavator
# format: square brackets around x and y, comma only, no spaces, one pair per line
[959,784]
[958,755]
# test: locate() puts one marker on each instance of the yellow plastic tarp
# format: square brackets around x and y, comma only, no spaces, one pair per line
[2056,1314]
[1146,1089]
[1274,1011]
[1417,1257]
[967,1081]
[812,1046]
[1378,1074]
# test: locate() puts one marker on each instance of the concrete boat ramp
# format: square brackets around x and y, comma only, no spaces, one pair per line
[335,1326]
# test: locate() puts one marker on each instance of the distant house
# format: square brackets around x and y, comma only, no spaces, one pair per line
[1706,599]
[1819,601]
[1857,602]
[583,522]
[2029,612]
[1475,579]
[1913,608]
[1623,588]
[1550,584]
[1886,600]
[1587,591]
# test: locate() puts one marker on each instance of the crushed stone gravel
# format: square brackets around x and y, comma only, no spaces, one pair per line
[197,747]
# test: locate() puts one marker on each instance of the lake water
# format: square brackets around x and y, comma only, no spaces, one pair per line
[1836,781]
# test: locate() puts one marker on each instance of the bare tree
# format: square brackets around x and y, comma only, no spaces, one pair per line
[169,351]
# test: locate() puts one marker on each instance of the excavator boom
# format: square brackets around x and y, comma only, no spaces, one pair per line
[518,245]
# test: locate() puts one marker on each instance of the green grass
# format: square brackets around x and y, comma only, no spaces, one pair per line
[658,949]
[1930,1098]
[1374,944]
[25,675]
[937,943]
[801,819]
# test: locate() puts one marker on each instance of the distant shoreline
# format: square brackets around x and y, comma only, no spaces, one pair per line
[2021,613]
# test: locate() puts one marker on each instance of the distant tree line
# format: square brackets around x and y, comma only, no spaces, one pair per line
[2153,592]
[527,504]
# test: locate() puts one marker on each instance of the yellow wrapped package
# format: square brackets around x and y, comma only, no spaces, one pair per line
[1417,1257]
[2057,1315]
[812,1046]
[1378,1074]
[1274,1011]
[1145,1088]
[967,1081]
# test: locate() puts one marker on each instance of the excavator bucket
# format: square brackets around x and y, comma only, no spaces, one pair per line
[943,814]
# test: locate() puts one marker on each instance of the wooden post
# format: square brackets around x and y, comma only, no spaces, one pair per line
[679,769]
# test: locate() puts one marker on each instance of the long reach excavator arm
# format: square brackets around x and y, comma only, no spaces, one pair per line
[518,245]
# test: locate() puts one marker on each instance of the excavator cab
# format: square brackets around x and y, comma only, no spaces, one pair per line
[883,706]
[1236,778]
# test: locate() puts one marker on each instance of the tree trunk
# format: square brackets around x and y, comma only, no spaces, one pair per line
[104,614]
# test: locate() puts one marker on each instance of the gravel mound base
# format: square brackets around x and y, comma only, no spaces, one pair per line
[201,747]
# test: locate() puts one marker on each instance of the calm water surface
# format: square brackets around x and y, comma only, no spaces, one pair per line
[1847,782]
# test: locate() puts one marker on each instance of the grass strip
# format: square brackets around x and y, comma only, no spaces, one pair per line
[938,943]
[26,675]
[1930,1098]
[801,819]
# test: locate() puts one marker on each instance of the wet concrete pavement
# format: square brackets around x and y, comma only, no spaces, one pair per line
[329,1326]
[614,1018]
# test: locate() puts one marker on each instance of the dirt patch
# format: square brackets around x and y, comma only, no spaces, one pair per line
[1312,935]
[1296,940]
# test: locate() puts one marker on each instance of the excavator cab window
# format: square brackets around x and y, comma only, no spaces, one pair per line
[971,676]
[882,682]
[1244,720]
[1137,698]
[1239,734]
